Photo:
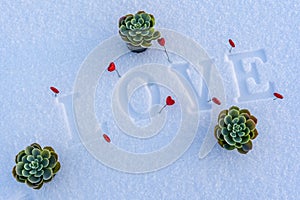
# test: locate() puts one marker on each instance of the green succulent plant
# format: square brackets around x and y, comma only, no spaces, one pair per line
[35,166]
[138,30]
[235,130]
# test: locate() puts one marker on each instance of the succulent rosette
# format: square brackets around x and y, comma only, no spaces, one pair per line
[35,166]
[138,30]
[236,129]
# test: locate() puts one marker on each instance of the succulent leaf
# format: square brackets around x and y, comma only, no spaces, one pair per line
[243,126]
[234,108]
[238,145]
[41,166]
[228,147]
[245,115]
[47,173]
[245,111]
[45,153]
[225,132]
[49,148]
[26,166]
[45,162]
[132,33]
[247,146]
[19,156]
[146,44]
[30,158]
[29,183]
[250,124]
[52,161]
[39,173]
[39,185]
[245,139]
[223,113]
[242,119]
[235,120]
[56,168]
[218,133]
[36,145]
[240,150]
[24,159]
[241,134]
[25,173]
[228,119]
[255,134]
[247,131]
[237,139]
[20,179]
[145,33]
[156,35]
[19,168]
[221,143]
[36,152]
[138,38]
[254,119]
[234,113]
[39,158]
[54,155]
[28,150]
[232,134]
[221,122]
[229,140]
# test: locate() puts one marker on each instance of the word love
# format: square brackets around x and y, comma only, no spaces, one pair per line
[162,42]
[232,45]
[112,67]
[54,90]
[169,102]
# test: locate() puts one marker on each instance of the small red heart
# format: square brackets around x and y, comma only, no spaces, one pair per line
[216,101]
[231,43]
[170,101]
[54,89]
[107,139]
[161,41]
[277,95]
[111,67]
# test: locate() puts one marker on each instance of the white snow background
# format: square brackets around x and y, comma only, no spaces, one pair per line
[43,44]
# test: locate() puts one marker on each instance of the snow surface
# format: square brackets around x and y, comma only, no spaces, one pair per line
[44,43]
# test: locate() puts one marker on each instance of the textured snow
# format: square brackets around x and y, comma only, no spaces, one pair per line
[43,44]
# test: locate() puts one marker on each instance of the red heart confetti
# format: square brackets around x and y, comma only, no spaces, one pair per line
[170,101]
[161,41]
[216,101]
[55,90]
[111,67]
[106,138]
[231,43]
[277,95]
